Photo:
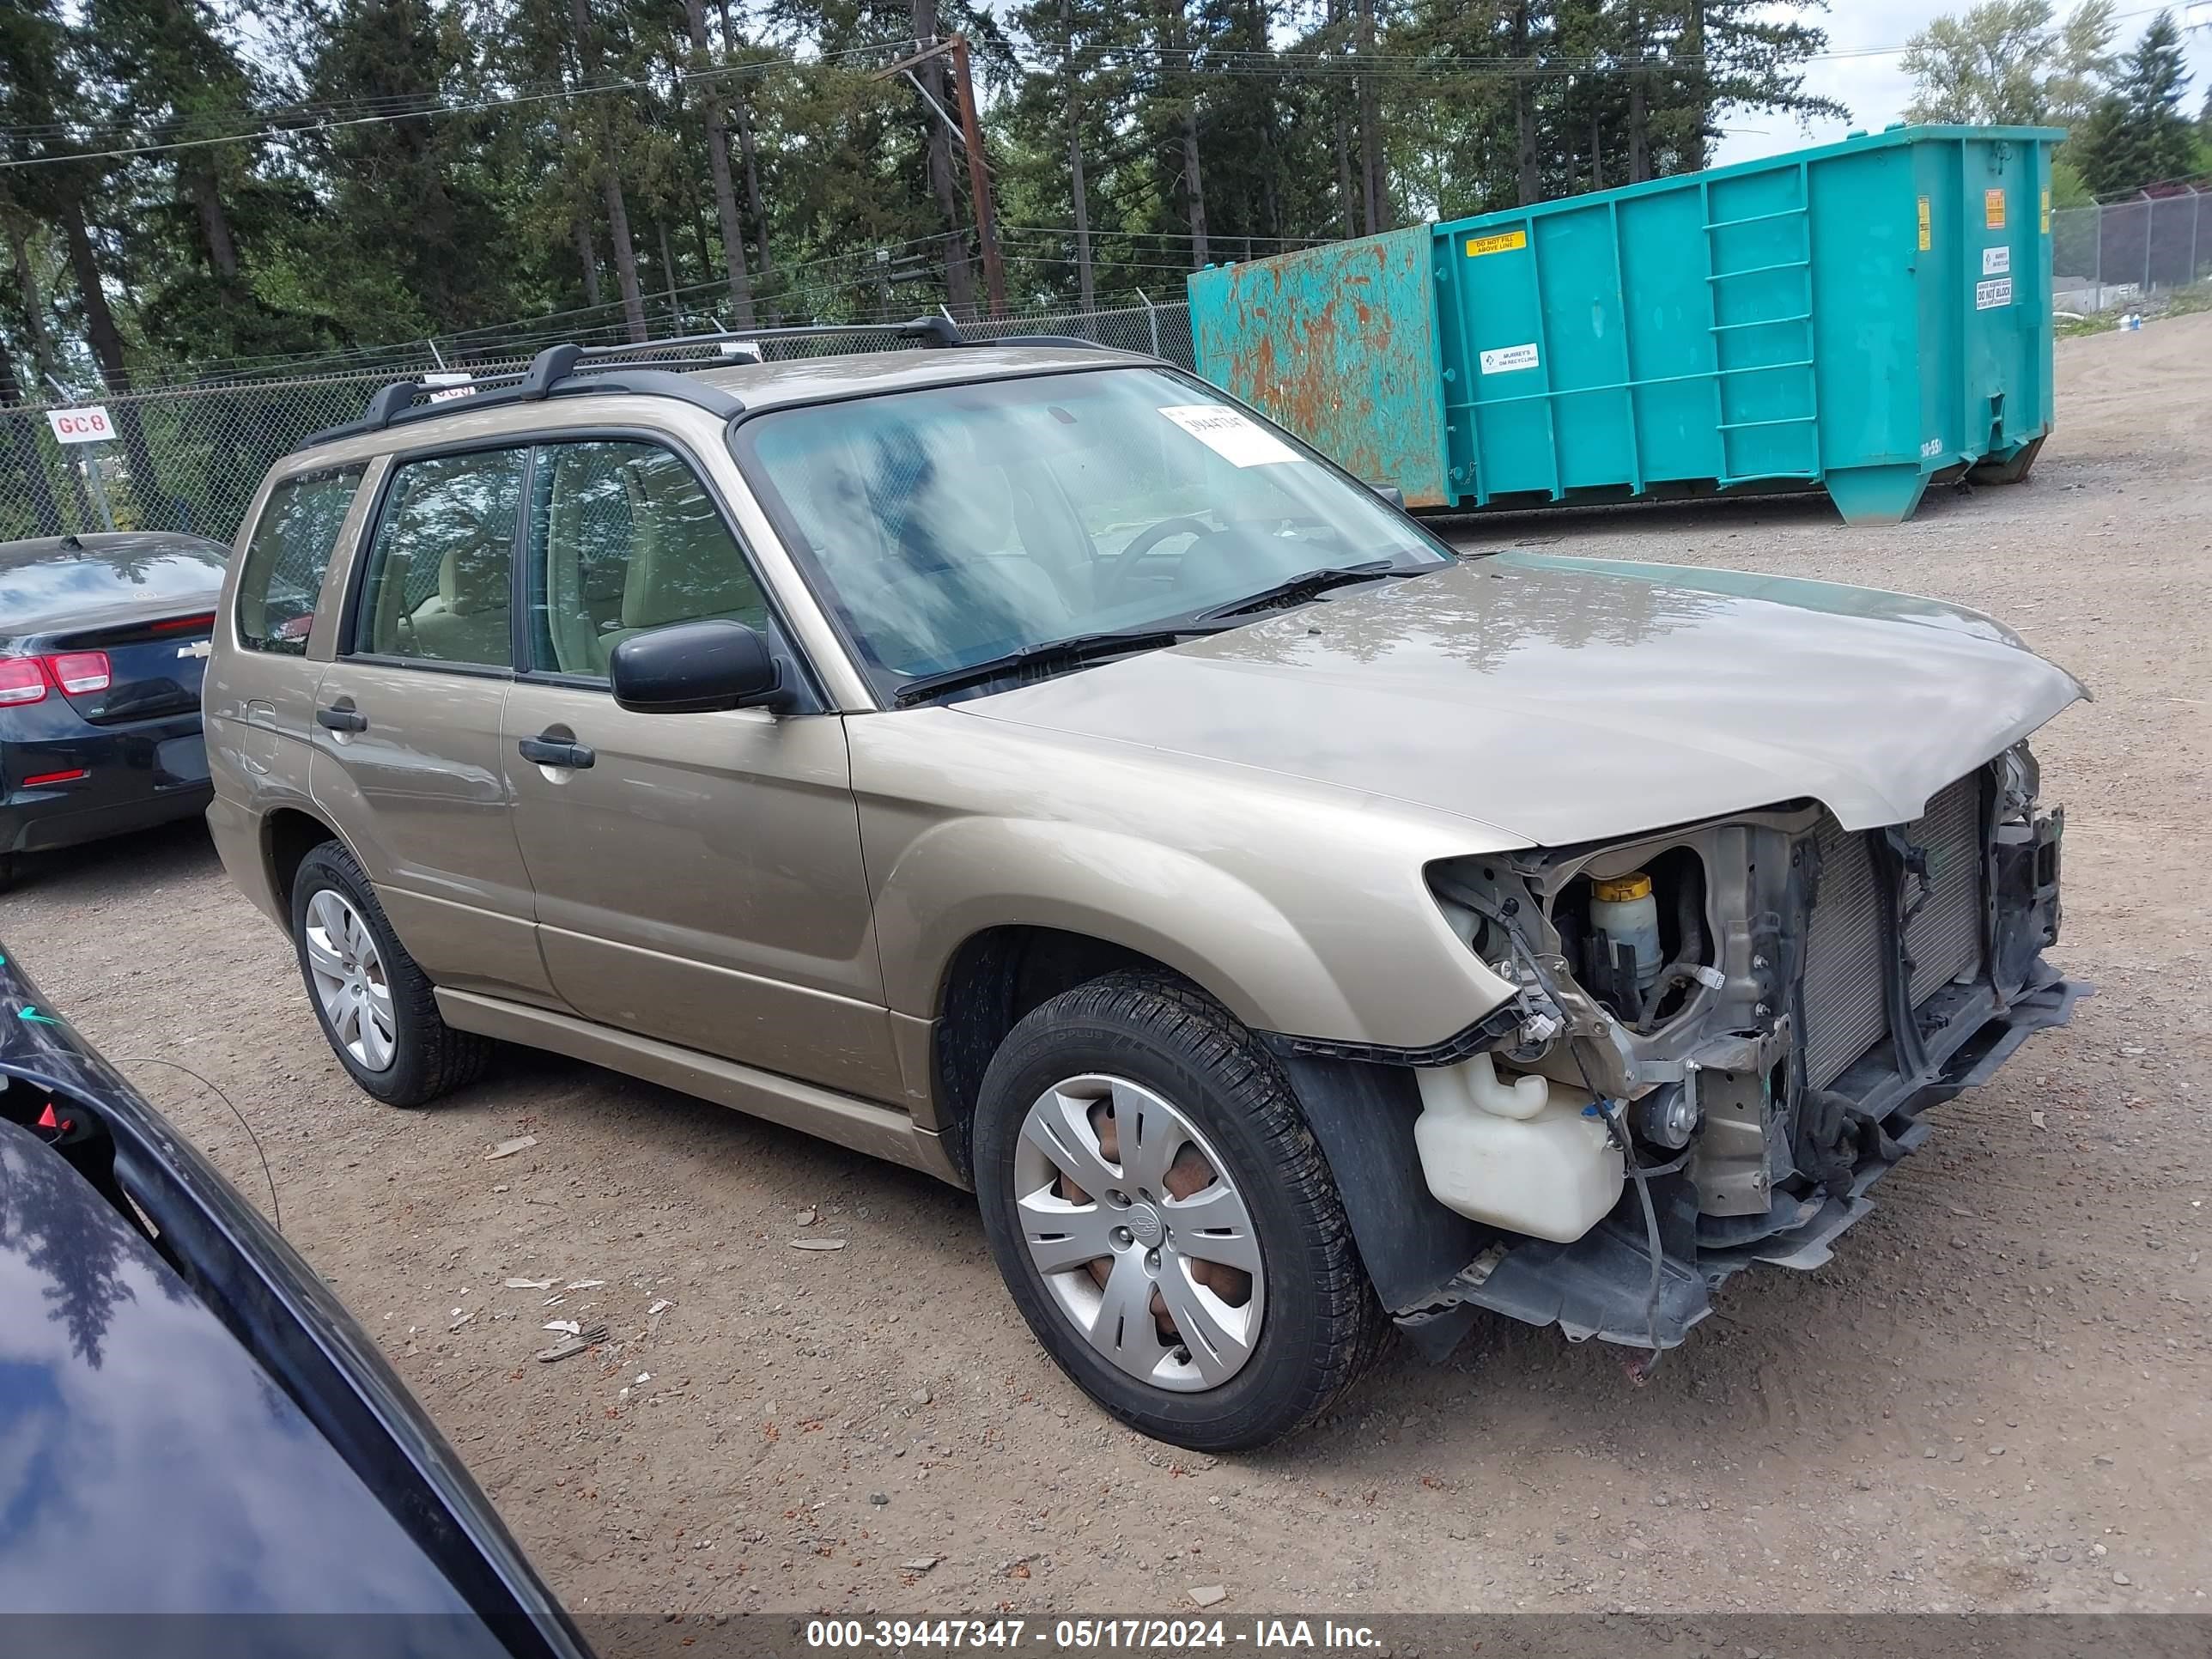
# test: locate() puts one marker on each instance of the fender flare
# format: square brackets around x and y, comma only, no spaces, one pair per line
[970,875]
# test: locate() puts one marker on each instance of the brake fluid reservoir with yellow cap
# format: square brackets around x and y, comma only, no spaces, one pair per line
[1623,908]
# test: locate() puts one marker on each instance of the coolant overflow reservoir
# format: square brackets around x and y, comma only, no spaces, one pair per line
[1623,908]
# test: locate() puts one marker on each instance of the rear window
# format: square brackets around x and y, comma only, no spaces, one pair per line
[283,575]
[60,583]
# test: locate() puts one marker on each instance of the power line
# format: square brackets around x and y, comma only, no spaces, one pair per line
[309,119]
[311,125]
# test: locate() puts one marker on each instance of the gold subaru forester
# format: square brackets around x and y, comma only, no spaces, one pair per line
[1025,763]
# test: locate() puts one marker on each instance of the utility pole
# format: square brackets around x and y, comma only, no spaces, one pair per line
[971,140]
[978,180]
[1085,291]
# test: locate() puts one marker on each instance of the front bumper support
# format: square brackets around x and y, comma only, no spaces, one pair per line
[1600,1284]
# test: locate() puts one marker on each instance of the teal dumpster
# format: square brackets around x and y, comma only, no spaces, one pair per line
[1864,317]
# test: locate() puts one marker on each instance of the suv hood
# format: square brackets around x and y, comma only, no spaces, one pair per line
[1563,700]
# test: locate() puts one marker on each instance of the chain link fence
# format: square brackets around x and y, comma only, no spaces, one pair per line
[189,458]
[2126,253]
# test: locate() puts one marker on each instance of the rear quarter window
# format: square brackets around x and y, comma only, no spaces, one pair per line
[290,549]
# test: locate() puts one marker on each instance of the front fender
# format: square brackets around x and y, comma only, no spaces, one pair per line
[1393,973]
[971,874]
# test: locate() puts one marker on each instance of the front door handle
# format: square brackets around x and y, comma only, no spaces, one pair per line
[557,751]
[341,716]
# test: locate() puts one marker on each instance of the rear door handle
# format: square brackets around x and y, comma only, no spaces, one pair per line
[557,751]
[342,717]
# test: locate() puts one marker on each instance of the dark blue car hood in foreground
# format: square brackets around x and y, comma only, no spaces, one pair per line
[200,1428]
[146,1462]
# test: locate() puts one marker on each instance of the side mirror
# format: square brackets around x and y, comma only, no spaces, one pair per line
[689,668]
[1391,494]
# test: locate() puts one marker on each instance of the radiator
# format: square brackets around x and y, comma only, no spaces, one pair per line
[1845,1010]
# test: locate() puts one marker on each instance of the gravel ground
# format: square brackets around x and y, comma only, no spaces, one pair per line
[1995,1396]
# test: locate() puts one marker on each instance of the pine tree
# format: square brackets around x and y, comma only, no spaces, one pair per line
[2138,134]
[402,249]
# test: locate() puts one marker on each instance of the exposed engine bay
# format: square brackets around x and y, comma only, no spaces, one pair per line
[1722,1038]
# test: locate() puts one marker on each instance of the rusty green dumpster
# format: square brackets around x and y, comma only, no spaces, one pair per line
[1864,317]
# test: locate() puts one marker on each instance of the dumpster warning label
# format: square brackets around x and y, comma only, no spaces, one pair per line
[1506,359]
[1503,242]
[1993,207]
[1989,295]
[2046,213]
[1926,239]
[1996,261]
[1225,431]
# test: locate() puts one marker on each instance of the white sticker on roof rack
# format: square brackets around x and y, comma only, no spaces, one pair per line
[1230,434]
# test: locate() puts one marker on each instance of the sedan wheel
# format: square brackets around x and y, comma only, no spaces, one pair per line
[349,981]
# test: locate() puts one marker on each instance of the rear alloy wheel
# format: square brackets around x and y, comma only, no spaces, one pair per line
[377,1008]
[1164,1219]
[347,976]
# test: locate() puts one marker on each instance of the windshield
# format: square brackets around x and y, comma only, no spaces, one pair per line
[950,526]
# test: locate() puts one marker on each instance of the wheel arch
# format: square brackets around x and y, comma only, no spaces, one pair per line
[993,978]
[968,875]
[289,834]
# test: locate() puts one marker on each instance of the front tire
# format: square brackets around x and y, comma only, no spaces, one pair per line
[378,1010]
[1164,1219]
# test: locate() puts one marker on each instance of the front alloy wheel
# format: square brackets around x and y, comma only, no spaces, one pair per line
[1143,1239]
[1164,1219]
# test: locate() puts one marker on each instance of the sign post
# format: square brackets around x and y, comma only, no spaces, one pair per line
[88,424]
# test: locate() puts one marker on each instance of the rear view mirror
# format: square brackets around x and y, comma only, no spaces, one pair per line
[691,668]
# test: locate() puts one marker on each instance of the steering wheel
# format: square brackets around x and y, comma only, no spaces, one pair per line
[1139,550]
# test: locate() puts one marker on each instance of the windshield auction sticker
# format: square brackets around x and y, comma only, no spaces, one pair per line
[1225,431]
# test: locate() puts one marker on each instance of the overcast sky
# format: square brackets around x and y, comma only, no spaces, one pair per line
[1873,88]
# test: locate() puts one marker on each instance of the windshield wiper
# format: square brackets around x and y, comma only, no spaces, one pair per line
[1305,586]
[1047,654]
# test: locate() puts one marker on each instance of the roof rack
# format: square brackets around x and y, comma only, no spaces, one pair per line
[568,370]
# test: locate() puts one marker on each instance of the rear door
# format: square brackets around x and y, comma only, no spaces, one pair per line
[407,762]
[259,693]
[700,879]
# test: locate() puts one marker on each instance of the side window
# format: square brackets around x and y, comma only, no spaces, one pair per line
[281,577]
[624,538]
[441,566]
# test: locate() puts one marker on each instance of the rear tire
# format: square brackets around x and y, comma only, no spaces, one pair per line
[377,1009]
[1123,1054]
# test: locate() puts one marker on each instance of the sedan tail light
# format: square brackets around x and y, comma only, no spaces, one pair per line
[27,679]
[21,680]
[79,672]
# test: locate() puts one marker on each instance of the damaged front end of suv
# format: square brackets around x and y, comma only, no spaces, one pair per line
[1722,1036]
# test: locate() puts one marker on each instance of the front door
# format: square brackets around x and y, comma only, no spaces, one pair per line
[407,759]
[700,879]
